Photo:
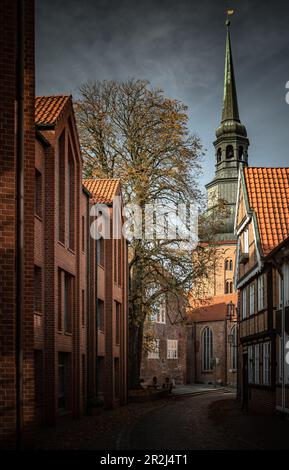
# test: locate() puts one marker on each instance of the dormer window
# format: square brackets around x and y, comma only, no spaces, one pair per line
[229,151]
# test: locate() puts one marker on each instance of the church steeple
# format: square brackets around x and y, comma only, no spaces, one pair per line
[232,142]
[230,102]
[231,148]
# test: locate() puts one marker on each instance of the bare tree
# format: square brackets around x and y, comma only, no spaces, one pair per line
[133,132]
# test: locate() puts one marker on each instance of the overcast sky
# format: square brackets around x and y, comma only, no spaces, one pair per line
[179,46]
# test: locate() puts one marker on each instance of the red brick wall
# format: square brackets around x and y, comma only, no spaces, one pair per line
[223,374]
[163,367]
[68,259]
[8,54]
[108,351]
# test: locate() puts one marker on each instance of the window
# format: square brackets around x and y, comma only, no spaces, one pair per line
[229,265]
[260,292]
[116,378]
[100,251]
[38,193]
[70,197]
[252,299]
[119,264]
[37,289]
[207,349]
[244,303]
[172,349]
[154,352]
[60,300]
[61,187]
[100,315]
[286,283]
[68,303]
[266,363]
[229,151]
[219,155]
[250,364]
[117,322]
[234,348]
[257,363]
[246,241]
[63,380]
[161,315]
[228,287]
[230,310]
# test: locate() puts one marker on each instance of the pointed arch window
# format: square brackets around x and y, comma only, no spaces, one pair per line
[207,349]
[229,151]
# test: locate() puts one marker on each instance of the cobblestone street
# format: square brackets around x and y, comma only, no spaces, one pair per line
[209,421]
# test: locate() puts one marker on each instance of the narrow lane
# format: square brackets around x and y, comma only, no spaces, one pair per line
[182,424]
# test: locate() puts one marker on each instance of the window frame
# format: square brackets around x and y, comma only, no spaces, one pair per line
[266,363]
[155,353]
[252,299]
[261,291]
[244,303]
[172,349]
[207,349]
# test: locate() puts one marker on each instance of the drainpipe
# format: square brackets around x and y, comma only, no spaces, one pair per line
[283,338]
[19,219]
[96,320]
[226,352]
[88,287]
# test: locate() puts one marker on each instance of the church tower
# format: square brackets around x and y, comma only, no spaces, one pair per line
[231,149]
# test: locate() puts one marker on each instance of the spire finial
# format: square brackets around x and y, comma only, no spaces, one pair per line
[229,12]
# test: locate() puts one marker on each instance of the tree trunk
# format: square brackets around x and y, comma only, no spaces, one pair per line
[135,354]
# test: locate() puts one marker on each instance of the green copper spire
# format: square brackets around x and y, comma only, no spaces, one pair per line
[230,102]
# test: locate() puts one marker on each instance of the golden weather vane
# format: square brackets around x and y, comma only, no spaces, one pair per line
[229,12]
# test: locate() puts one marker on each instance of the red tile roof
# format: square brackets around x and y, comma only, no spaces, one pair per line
[102,190]
[214,310]
[49,108]
[268,194]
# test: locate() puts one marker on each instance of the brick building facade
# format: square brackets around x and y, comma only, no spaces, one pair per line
[17,140]
[110,292]
[49,278]
[164,352]
[60,262]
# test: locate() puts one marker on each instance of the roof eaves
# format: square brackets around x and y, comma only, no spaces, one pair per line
[41,137]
